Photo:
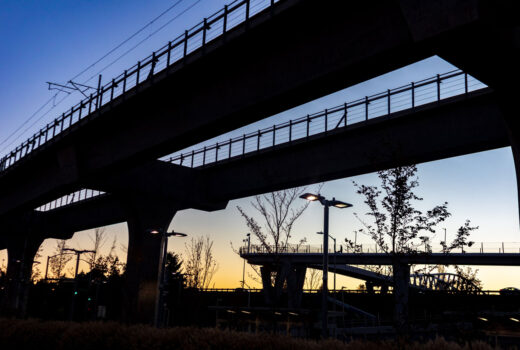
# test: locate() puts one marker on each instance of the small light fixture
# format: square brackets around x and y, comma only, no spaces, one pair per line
[231,311]
[310,197]
[339,204]
[245,312]
[278,313]
[176,234]
[483,319]
[293,313]
[514,319]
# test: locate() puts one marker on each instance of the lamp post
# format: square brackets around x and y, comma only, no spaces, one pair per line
[326,204]
[334,239]
[248,241]
[159,304]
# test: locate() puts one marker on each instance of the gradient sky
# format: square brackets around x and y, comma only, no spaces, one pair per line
[54,41]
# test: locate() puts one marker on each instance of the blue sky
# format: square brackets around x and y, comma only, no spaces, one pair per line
[55,40]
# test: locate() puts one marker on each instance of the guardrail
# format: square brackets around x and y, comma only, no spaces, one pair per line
[338,291]
[399,99]
[71,198]
[415,94]
[476,247]
[211,28]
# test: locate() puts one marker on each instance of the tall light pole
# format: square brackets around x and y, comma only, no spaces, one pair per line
[248,241]
[326,204]
[159,303]
[334,239]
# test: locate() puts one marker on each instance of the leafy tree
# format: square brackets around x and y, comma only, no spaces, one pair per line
[397,222]
[399,227]
[173,263]
[60,260]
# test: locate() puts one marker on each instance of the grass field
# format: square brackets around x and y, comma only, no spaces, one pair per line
[32,334]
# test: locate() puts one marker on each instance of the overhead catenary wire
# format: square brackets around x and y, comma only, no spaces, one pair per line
[142,41]
[53,98]
[128,39]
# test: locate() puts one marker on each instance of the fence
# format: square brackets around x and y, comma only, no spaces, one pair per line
[211,28]
[480,247]
[408,97]
[74,197]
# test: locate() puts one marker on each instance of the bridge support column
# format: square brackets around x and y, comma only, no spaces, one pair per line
[267,286]
[295,281]
[401,292]
[511,117]
[143,259]
[285,272]
[21,250]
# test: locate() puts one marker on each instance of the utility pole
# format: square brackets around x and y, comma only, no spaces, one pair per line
[75,287]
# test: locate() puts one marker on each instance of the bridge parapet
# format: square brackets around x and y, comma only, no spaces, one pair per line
[192,40]
[392,101]
[475,247]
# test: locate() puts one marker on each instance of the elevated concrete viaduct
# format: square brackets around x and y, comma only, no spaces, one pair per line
[293,53]
[154,192]
[296,52]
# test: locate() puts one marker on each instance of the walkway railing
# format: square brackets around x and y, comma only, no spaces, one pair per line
[407,97]
[196,38]
[476,247]
[71,198]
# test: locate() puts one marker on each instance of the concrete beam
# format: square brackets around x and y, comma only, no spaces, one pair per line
[303,52]
[453,127]
[450,128]
[309,259]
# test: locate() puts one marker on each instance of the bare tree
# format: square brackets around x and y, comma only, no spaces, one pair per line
[313,279]
[60,260]
[200,265]
[98,240]
[279,211]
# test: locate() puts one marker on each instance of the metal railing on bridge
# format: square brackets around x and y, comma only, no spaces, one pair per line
[475,247]
[399,99]
[196,38]
[407,97]
[71,198]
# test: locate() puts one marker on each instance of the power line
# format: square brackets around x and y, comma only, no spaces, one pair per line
[29,119]
[53,98]
[128,39]
[143,40]
[36,121]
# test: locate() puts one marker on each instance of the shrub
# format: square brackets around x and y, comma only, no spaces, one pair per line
[33,334]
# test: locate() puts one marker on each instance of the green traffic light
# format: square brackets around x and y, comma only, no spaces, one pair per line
[75,292]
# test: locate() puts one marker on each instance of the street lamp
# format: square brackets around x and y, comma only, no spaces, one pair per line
[326,204]
[334,239]
[159,305]
[248,241]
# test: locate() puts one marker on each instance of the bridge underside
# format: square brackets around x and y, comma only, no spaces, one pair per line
[267,66]
[300,53]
